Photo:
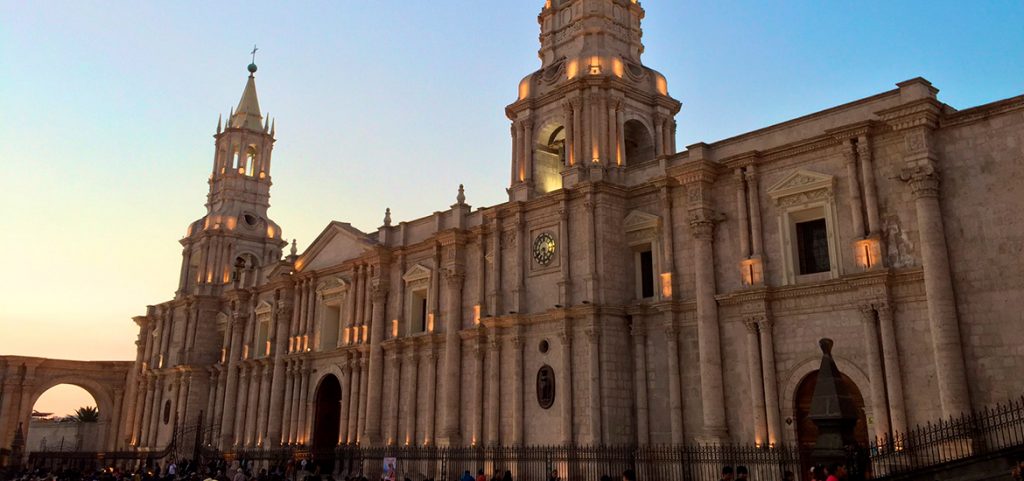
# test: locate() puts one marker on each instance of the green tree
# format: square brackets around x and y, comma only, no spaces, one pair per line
[86,414]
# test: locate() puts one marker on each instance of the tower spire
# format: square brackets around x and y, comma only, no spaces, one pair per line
[247,114]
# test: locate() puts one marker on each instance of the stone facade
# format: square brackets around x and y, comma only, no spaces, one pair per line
[676,296]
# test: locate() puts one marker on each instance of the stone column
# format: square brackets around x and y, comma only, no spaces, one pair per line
[211,400]
[303,404]
[893,373]
[938,286]
[293,420]
[346,393]
[643,430]
[286,412]
[515,153]
[594,371]
[353,409]
[244,376]
[868,175]
[708,336]
[147,411]
[395,375]
[431,409]
[227,424]
[756,243]
[478,391]
[494,389]
[565,384]
[879,406]
[154,412]
[278,384]
[450,432]
[741,208]
[263,412]
[570,138]
[364,377]
[253,401]
[675,395]
[771,385]
[412,361]
[528,149]
[620,153]
[376,367]
[577,142]
[756,382]
[180,393]
[856,211]
[141,402]
[517,390]
[659,136]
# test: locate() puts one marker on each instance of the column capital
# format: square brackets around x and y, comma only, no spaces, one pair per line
[923,180]
[867,312]
[766,324]
[751,323]
[885,310]
[702,226]
[593,334]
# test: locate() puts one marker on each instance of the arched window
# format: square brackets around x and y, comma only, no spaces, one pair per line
[638,144]
[250,160]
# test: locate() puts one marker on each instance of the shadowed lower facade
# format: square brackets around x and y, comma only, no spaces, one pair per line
[629,292]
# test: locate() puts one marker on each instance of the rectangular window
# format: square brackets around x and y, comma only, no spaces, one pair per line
[812,246]
[646,267]
[329,327]
[262,340]
[419,310]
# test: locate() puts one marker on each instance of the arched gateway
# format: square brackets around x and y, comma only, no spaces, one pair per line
[24,379]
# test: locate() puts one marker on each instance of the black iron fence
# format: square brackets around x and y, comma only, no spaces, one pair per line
[983,434]
[534,463]
[989,432]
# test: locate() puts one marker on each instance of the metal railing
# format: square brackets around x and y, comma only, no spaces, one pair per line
[988,432]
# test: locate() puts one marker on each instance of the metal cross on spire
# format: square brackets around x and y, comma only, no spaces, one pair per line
[254,49]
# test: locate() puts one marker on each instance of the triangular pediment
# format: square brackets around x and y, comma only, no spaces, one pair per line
[264,308]
[332,284]
[338,243]
[800,181]
[637,220]
[416,272]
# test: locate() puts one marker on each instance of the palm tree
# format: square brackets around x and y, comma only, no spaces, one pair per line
[86,414]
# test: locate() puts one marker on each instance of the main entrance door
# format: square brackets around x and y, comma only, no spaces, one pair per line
[807,432]
[325,422]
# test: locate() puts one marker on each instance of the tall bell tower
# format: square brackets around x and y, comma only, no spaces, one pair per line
[236,239]
[593,108]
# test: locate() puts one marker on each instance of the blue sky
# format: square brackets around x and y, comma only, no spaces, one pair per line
[107,109]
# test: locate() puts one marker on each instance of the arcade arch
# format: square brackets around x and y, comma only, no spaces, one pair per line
[24,379]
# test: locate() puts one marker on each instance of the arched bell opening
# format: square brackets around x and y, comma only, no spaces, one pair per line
[638,145]
[549,158]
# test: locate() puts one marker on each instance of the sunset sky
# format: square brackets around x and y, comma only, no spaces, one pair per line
[107,111]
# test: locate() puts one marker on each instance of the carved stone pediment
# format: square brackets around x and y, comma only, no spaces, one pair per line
[637,220]
[264,309]
[801,182]
[416,273]
[332,285]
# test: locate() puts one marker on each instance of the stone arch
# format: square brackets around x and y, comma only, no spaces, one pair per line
[28,378]
[549,155]
[799,372]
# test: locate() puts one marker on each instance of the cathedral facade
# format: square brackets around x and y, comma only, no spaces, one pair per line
[629,292]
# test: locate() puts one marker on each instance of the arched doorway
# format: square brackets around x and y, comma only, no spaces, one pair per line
[638,145]
[807,432]
[326,417]
[65,417]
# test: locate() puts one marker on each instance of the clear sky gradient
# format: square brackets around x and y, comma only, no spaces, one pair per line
[107,111]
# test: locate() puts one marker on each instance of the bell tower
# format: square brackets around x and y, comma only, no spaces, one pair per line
[232,243]
[593,108]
